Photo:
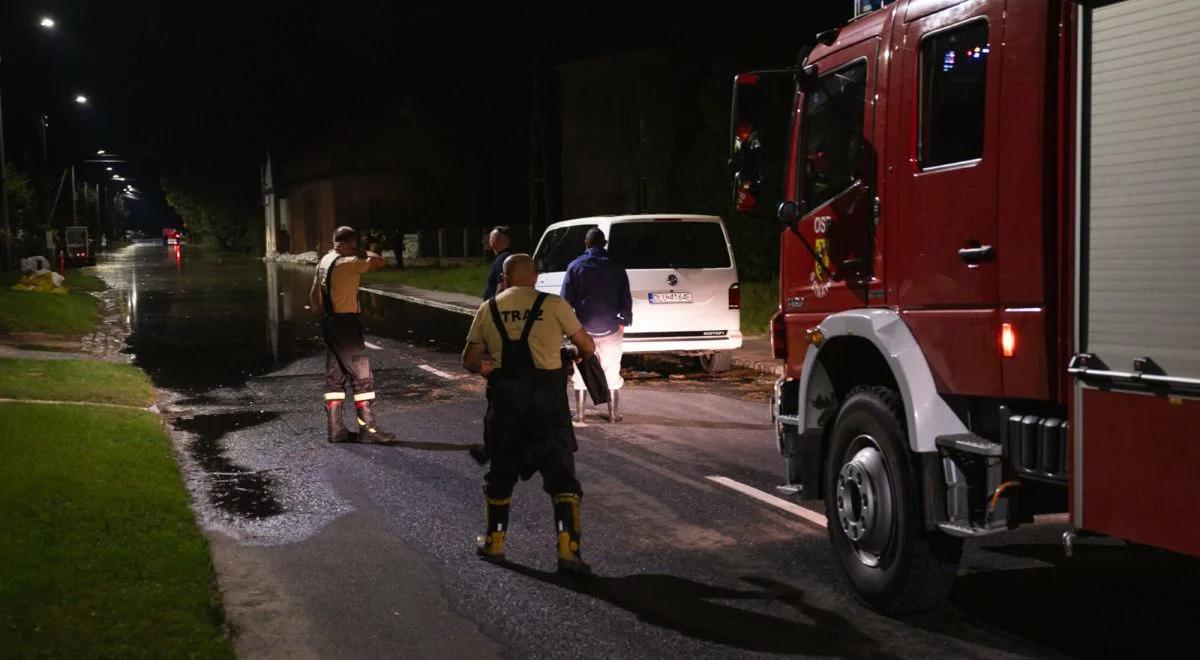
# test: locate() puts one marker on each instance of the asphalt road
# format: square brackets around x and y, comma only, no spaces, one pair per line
[347,551]
[366,551]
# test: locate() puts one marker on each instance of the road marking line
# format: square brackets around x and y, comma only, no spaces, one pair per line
[370,345]
[779,503]
[437,372]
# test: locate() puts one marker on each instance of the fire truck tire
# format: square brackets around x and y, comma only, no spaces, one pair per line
[880,544]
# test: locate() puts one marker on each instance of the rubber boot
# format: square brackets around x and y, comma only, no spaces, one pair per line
[614,399]
[491,544]
[333,415]
[367,431]
[580,402]
[566,525]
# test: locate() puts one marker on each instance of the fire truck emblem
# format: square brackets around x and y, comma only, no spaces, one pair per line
[819,279]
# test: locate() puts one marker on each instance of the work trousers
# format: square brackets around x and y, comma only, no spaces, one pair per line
[346,358]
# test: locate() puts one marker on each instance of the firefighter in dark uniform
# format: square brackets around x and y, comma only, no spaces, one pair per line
[527,427]
[335,292]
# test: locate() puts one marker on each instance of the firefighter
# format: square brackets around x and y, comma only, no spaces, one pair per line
[527,427]
[335,292]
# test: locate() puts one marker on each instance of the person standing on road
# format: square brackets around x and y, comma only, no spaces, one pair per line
[499,241]
[597,288]
[527,427]
[335,292]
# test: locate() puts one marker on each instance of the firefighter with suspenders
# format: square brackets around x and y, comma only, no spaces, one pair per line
[527,427]
[335,292]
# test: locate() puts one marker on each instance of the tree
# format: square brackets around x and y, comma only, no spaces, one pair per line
[220,215]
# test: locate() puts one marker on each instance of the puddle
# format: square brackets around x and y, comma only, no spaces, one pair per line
[236,490]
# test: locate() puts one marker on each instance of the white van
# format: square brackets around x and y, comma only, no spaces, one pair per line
[682,277]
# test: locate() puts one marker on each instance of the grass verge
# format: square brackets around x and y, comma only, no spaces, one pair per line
[73,314]
[101,554]
[74,380]
[760,301]
[458,279]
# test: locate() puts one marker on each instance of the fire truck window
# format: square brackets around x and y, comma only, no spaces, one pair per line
[834,156]
[953,90]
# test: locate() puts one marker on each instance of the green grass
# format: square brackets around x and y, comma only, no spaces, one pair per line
[760,301]
[73,314]
[84,279]
[74,380]
[459,279]
[100,552]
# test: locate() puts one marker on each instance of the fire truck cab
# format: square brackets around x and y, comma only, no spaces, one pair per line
[989,297]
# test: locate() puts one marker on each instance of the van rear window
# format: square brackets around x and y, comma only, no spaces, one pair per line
[559,248]
[650,245]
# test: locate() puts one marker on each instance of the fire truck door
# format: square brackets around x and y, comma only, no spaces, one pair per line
[941,252]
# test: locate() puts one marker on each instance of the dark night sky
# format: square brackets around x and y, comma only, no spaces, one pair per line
[205,87]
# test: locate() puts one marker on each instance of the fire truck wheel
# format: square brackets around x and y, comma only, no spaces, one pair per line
[875,527]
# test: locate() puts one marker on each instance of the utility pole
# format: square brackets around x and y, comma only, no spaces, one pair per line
[74,212]
[4,224]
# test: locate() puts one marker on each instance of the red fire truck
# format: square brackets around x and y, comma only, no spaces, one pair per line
[989,276]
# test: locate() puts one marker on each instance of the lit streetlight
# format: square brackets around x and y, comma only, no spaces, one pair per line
[46,23]
[81,99]
[101,152]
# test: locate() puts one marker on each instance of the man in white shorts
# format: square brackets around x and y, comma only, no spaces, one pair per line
[597,288]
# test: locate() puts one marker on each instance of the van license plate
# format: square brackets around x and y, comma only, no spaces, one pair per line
[663,297]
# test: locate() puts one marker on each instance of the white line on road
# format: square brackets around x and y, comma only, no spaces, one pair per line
[370,345]
[779,503]
[437,372]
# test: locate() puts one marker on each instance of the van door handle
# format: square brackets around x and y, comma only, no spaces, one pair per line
[975,255]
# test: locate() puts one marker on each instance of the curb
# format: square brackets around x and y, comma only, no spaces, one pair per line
[773,367]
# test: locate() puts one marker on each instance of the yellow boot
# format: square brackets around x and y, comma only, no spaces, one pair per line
[491,544]
[566,524]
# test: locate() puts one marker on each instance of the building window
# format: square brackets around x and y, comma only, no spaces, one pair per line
[953,94]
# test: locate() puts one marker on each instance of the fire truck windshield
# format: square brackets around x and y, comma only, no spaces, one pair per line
[833,134]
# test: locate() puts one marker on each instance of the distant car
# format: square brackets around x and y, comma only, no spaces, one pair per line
[78,247]
[682,276]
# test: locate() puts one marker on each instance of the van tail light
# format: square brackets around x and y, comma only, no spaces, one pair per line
[735,296]
[779,336]
[1008,340]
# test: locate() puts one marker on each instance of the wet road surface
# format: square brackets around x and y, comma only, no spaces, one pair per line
[364,551]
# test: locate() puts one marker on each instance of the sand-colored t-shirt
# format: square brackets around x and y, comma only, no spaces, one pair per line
[344,286]
[555,321]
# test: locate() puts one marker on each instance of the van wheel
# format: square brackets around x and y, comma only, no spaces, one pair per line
[716,362]
[883,551]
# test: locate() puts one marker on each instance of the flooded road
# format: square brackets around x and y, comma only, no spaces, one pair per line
[204,324]
[199,320]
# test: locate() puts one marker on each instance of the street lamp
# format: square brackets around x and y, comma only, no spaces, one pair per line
[46,23]
[101,152]
[81,99]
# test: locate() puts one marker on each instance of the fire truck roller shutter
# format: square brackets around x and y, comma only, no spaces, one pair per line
[927,415]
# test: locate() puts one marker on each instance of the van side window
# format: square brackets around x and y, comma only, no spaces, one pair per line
[834,145]
[559,247]
[953,90]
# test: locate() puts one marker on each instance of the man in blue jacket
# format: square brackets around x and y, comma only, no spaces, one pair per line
[597,288]
[499,240]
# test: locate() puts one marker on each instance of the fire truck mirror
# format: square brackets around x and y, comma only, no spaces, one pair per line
[788,214]
[759,128]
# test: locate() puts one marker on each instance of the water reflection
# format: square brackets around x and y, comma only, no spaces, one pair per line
[197,317]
